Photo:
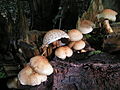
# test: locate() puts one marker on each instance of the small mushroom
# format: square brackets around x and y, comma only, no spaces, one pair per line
[41,65]
[107,15]
[86,26]
[27,76]
[68,51]
[59,52]
[79,45]
[63,52]
[75,35]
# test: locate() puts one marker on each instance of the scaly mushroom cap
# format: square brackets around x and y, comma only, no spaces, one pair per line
[41,65]
[79,45]
[75,35]
[85,26]
[29,77]
[63,52]
[108,14]
[54,35]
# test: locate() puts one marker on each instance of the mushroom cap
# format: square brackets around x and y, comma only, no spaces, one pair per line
[41,65]
[75,35]
[59,52]
[29,77]
[85,26]
[63,52]
[109,11]
[68,51]
[79,45]
[54,35]
[108,14]
[86,30]
[87,23]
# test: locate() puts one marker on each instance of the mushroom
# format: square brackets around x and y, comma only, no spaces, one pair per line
[63,52]
[41,65]
[27,76]
[68,51]
[106,15]
[75,35]
[59,52]
[86,26]
[54,35]
[79,45]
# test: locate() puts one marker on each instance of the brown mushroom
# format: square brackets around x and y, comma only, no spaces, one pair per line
[41,65]
[63,52]
[68,51]
[106,15]
[75,35]
[79,45]
[29,77]
[86,26]
[59,52]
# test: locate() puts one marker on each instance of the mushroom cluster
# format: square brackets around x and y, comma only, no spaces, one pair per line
[74,36]
[53,37]
[76,39]
[36,71]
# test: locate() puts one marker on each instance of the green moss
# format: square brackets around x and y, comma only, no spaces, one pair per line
[95,52]
[2,73]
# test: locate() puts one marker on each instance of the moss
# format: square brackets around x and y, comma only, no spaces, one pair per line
[2,73]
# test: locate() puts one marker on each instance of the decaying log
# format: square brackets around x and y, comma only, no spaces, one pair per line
[111,44]
[99,72]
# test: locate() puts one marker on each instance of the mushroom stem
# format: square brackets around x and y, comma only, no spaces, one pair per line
[107,26]
[71,44]
[44,51]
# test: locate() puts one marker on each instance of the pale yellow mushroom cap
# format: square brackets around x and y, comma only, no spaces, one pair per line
[109,11]
[29,77]
[75,35]
[79,45]
[68,51]
[59,52]
[86,26]
[41,65]
[108,14]
[63,52]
